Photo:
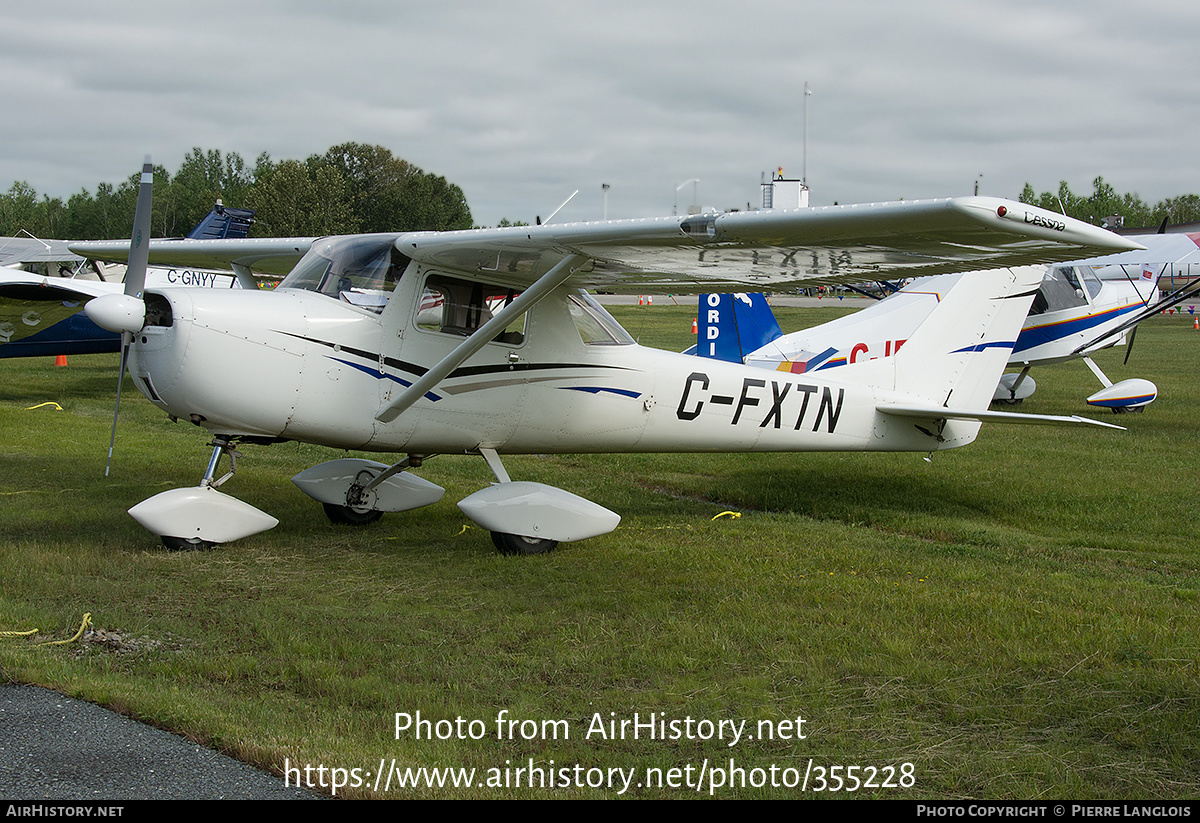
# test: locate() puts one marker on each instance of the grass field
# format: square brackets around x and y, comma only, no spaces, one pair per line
[1016,619]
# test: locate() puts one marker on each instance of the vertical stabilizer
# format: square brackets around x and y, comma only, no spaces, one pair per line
[954,359]
[223,222]
[730,326]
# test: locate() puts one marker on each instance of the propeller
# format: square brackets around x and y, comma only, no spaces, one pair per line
[126,312]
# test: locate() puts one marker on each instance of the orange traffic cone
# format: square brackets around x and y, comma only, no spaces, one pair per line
[1196,323]
[61,360]
[694,319]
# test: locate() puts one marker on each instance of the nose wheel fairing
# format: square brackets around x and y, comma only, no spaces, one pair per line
[199,516]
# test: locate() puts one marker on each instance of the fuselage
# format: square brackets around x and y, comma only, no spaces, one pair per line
[315,366]
[1073,308]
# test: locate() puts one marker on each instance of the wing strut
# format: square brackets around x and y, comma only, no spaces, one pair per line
[485,333]
[245,277]
[1176,297]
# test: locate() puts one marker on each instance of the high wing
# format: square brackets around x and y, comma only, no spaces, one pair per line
[775,249]
[1169,252]
[1189,291]
[1166,259]
[744,250]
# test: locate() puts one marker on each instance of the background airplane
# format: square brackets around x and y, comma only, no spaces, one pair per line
[1080,308]
[44,285]
[350,352]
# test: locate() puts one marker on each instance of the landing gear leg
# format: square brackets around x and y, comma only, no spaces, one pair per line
[504,542]
[1013,400]
[200,517]
[360,497]
[221,445]
[1017,385]
[532,518]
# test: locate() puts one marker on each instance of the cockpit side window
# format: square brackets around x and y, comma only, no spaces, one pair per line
[459,307]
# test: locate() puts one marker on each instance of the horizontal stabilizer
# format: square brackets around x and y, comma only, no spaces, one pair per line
[942,413]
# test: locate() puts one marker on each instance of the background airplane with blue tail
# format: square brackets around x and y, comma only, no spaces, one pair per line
[44,286]
[1080,308]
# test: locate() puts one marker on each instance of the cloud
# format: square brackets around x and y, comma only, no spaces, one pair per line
[521,103]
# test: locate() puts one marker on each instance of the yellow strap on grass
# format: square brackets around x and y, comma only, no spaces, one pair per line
[18,634]
[87,621]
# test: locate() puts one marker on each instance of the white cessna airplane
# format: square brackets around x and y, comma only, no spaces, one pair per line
[350,351]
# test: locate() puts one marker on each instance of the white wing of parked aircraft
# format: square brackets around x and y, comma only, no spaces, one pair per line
[17,252]
[44,285]
[484,342]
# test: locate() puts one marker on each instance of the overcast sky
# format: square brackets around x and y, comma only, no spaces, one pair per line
[522,103]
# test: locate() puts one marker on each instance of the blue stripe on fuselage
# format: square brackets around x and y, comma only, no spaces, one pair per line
[1035,336]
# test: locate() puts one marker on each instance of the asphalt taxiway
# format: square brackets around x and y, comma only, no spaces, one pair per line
[54,747]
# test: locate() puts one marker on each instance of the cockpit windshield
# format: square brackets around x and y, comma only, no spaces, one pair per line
[361,270]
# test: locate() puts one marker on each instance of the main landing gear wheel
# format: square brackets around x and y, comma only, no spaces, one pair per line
[517,544]
[346,516]
[184,544]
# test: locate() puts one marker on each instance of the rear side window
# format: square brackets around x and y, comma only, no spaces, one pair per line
[459,307]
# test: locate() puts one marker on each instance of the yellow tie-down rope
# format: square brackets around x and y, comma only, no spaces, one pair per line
[87,621]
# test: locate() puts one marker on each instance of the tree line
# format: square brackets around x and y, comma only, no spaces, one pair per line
[354,188]
[1105,202]
[349,189]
